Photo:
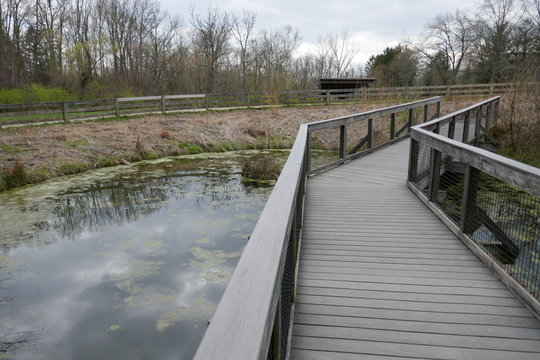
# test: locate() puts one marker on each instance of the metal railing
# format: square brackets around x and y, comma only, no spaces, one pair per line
[491,202]
[254,317]
[28,113]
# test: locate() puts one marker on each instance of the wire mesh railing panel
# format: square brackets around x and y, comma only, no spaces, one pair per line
[502,219]
[287,289]
[449,193]
[505,222]
[420,177]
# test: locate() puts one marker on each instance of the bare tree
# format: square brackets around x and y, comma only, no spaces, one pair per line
[243,30]
[276,51]
[448,39]
[493,25]
[211,35]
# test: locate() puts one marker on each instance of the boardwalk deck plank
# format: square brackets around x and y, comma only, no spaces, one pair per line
[381,277]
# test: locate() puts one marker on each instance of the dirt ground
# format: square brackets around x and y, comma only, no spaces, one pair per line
[53,150]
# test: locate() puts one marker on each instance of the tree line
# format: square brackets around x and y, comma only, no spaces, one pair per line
[499,41]
[96,48]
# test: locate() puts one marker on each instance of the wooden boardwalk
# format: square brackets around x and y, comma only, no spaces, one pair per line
[380,277]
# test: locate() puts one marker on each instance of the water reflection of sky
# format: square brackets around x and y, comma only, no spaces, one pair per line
[125,264]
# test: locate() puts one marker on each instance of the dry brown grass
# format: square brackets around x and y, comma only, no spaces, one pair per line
[48,147]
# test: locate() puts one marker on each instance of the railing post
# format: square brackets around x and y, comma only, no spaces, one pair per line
[413,160]
[327,97]
[468,202]
[477,125]
[163,104]
[392,126]
[452,128]
[116,107]
[370,133]
[308,152]
[434,175]
[410,121]
[65,111]
[488,115]
[438,109]
[465,136]
[425,113]
[342,141]
[364,91]
[495,112]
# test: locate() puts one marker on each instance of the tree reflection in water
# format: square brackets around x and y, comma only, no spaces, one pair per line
[155,247]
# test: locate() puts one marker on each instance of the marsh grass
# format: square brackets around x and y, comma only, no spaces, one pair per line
[15,175]
[260,168]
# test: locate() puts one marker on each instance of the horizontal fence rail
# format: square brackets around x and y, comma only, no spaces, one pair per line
[491,202]
[18,114]
[254,316]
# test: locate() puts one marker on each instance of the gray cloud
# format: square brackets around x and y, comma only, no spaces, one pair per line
[374,24]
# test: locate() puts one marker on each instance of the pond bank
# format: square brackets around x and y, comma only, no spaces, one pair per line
[34,154]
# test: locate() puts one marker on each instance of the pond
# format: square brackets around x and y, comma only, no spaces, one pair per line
[127,262]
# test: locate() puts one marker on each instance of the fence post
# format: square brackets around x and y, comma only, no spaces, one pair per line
[392,125]
[365,90]
[206,102]
[425,113]
[342,141]
[370,133]
[448,91]
[116,107]
[438,110]
[163,104]
[65,111]
[491,88]
[327,97]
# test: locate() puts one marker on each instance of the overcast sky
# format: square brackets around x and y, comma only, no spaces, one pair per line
[373,24]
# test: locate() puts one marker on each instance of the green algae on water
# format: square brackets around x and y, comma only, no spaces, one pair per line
[200,310]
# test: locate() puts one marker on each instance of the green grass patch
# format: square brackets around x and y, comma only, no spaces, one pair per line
[104,162]
[10,149]
[73,167]
[40,174]
[191,148]
[529,156]
[148,155]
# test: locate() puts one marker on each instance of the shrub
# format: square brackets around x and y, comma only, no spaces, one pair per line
[164,134]
[15,175]
[260,167]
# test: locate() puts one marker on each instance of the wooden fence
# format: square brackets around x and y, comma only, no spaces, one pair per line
[64,111]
